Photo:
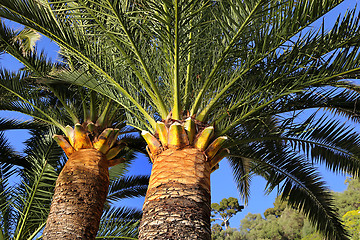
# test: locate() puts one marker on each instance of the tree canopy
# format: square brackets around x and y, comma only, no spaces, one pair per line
[243,68]
[282,222]
[227,208]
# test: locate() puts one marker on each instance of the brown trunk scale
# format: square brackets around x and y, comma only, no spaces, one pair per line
[80,194]
[177,204]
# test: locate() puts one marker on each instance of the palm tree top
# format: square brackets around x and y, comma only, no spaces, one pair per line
[219,62]
[233,65]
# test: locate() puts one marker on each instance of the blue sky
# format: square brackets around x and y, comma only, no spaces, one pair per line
[222,184]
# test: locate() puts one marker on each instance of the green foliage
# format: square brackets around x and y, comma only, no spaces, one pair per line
[250,66]
[228,234]
[253,226]
[291,222]
[227,208]
[350,198]
[277,210]
[352,223]
[283,222]
[286,226]
[216,228]
[313,236]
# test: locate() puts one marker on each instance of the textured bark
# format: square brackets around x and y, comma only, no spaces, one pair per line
[79,198]
[177,204]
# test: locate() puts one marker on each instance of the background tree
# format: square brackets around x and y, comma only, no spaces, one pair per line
[202,78]
[349,199]
[228,234]
[352,223]
[253,226]
[282,222]
[216,228]
[227,208]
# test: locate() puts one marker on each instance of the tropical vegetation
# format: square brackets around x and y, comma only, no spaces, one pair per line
[204,80]
[282,222]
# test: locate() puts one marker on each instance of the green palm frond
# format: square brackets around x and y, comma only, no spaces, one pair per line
[177,36]
[299,183]
[13,124]
[305,190]
[57,104]
[87,78]
[7,155]
[128,187]
[119,223]
[284,153]
[341,101]
[31,200]
[242,171]
[28,102]
[241,66]
[319,139]
[345,104]
[329,142]
[21,45]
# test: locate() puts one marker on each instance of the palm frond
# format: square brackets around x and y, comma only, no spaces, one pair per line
[8,156]
[13,124]
[33,197]
[28,102]
[321,140]
[21,45]
[244,62]
[284,152]
[251,93]
[329,142]
[300,184]
[119,223]
[242,170]
[128,187]
[6,171]
[232,34]
[340,101]
[305,190]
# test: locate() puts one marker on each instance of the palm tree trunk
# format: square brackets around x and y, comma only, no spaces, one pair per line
[177,204]
[79,198]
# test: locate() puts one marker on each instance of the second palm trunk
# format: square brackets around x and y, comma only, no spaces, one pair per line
[79,198]
[177,204]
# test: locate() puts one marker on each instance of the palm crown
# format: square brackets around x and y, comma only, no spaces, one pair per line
[234,65]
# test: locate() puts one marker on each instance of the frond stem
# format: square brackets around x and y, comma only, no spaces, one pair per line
[222,59]
[254,110]
[189,71]
[158,99]
[176,82]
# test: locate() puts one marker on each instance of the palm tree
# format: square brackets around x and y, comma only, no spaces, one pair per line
[92,146]
[47,108]
[205,79]
[25,203]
